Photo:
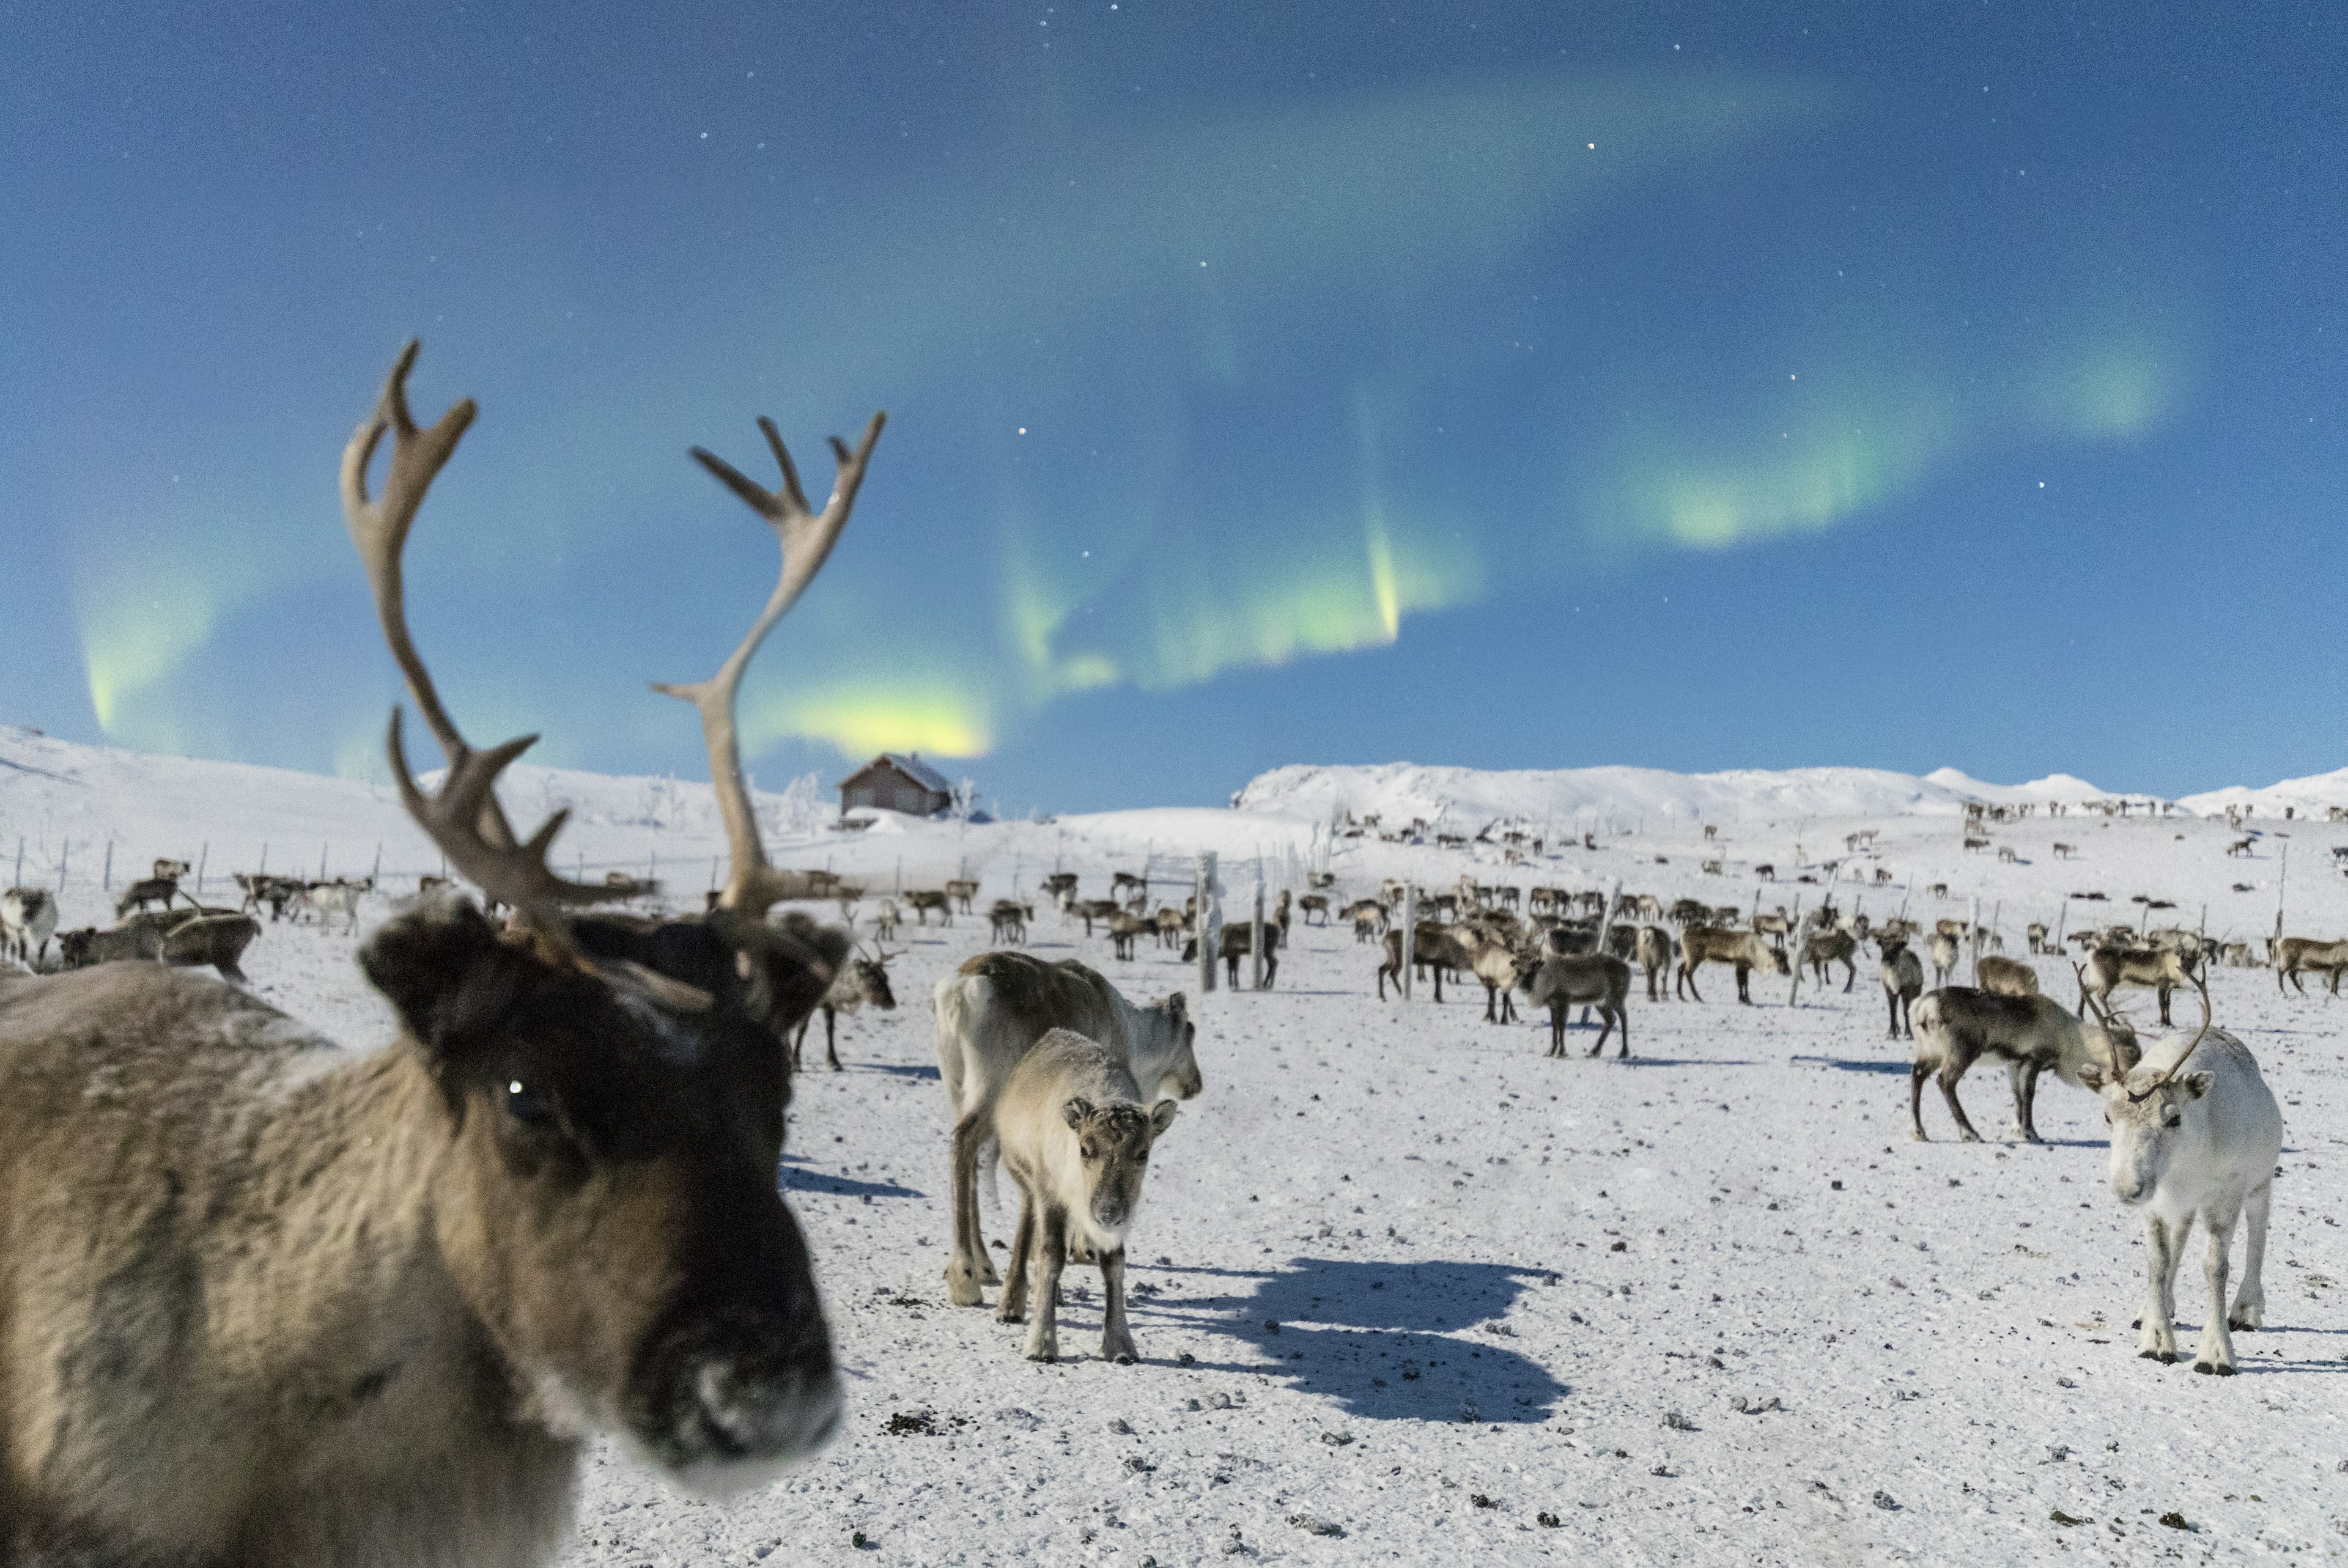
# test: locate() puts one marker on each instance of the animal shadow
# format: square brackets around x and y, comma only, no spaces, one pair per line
[1384,1340]
[798,1175]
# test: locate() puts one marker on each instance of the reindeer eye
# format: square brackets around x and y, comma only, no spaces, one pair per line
[528,1106]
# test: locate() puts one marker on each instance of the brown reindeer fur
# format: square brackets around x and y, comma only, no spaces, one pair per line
[265,1301]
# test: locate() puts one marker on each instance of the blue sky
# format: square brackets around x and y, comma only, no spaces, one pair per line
[1696,386]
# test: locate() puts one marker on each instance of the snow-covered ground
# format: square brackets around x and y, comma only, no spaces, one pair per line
[1710,1305]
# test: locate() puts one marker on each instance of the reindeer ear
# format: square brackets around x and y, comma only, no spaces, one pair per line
[1075,1112]
[2196,1084]
[1161,1116]
[1178,1005]
[444,968]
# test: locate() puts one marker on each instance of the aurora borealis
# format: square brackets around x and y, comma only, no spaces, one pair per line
[1507,385]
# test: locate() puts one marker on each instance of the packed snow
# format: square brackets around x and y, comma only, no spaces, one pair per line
[1406,1288]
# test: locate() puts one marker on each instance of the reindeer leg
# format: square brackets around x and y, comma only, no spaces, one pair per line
[1013,1307]
[2215,1355]
[1117,1337]
[1051,1254]
[1556,1030]
[966,1264]
[1916,1076]
[2164,1007]
[2250,1302]
[2162,1250]
[1851,976]
[2022,1078]
[1687,979]
[1948,1077]
[830,1050]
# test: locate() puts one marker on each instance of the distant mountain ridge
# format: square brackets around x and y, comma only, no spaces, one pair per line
[1566,796]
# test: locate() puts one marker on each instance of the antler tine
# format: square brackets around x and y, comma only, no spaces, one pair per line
[806,537]
[513,874]
[2170,1072]
[379,527]
[464,819]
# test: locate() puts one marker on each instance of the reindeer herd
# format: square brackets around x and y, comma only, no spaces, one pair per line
[294,1305]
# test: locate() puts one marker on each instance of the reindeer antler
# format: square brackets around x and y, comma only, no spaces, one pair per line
[806,537]
[464,819]
[2170,1072]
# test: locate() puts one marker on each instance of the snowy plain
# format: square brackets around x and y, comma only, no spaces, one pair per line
[1709,1305]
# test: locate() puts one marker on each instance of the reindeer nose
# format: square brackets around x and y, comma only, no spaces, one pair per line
[762,1409]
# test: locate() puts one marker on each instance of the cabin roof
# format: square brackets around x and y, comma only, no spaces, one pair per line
[908,765]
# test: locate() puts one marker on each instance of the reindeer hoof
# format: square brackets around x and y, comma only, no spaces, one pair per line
[2165,1358]
[2213,1368]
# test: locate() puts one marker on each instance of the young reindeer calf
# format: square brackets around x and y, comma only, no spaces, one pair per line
[1075,1135]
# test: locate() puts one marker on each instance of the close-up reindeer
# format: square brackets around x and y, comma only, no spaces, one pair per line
[267,1301]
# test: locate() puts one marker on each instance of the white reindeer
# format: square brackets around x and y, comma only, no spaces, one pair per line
[2200,1147]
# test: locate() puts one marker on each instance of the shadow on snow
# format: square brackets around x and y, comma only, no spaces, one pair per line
[1386,1341]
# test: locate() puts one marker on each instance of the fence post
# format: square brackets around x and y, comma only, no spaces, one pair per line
[63,844]
[1409,932]
[204,859]
[1203,926]
[105,882]
[376,875]
[19,881]
[1794,954]
[323,847]
[264,859]
[1975,935]
[1255,937]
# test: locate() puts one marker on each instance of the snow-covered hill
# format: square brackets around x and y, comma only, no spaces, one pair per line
[2310,796]
[1583,797]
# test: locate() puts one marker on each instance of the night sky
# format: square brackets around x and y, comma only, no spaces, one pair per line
[1695,386]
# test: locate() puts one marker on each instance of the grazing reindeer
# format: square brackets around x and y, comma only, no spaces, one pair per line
[1236,944]
[2007,976]
[1008,920]
[2295,956]
[145,891]
[332,898]
[368,1307]
[962,892]
[2204,1147]
[2108,969]
[1096,910]
[1826,948]
[2241,846]
[1701,944]
[28,918]
[1125,885]
[924,901]
[1938,890]
[1369,918]
[1656,950]
[1590,979]
[1944,957]
[860,980]
[2065,851]
[1075,1133]
[2030,1034]
[1495,962]
[991,1013]
[1903,982]
[1124,930]
[2036,935]
[1312,904]
[1171,923]
[1434,949]
[886,919]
